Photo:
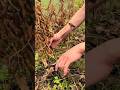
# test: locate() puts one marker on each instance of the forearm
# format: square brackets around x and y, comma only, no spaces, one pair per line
[108,52]
[76,20]
[101,59]
[80,48]
[79,17]
[112,47]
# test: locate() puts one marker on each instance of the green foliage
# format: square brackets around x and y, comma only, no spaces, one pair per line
[3,73]
[57,80]
[54,81]
[78,3]
[60,84]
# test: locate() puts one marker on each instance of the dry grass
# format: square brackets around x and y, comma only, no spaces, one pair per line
[48,21]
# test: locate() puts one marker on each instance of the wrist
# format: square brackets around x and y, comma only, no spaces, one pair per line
[65,31]
[80,48]
[58,35]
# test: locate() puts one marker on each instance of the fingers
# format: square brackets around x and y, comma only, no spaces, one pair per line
[66,68]
[60,63]
[63,64]
[53,42]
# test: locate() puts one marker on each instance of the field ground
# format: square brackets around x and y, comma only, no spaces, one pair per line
[17,58]
[55,80]
[108,26]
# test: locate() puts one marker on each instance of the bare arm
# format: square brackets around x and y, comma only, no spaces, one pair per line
[100,61]
[76,20]
[69,57]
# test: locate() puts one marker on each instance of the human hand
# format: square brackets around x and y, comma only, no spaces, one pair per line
[69,57]
[58,37]
[55,40]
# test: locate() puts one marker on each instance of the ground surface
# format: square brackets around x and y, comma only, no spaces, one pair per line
[104,28]
[15,41]
[47,79]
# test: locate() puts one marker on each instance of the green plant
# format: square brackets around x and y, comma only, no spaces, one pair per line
[3,75]
[3,72]
[60,84]
[51,16]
